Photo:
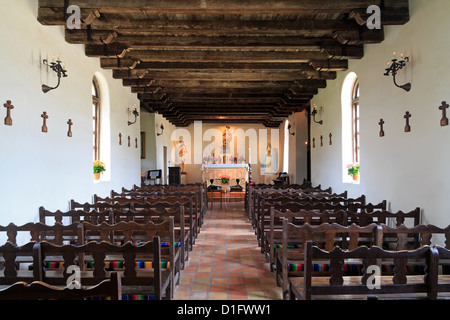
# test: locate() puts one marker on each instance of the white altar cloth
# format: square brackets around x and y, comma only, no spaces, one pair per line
[234,170]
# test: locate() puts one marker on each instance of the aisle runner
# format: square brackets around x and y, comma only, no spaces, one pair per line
[226,262]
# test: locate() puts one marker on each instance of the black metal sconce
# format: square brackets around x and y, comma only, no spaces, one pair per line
[162,130]
[60,72]
[394,66]
[313,113]
[289,130]
[136,114]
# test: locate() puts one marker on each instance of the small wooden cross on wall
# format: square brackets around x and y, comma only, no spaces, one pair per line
[321,141]
[8,106]
[443,107]
[120,139]
[44,125]
[314,142]
[407,126]
[381,123]
[129,141]
[70,123]
[331,142]
[136,142]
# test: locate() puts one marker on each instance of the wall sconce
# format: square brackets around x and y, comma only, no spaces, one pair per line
[394,66]
[313,113]
[289,130]
[60,71]
[136,114]
[162,130]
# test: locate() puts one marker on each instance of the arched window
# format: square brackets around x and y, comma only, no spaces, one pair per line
[350,125]
[96,119]
[355,121]
[286,147]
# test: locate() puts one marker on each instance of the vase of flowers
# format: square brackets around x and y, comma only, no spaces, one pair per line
[224,179]
[99,167]
[353,170]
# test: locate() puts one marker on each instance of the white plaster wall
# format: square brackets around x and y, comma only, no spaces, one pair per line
[49,169]
[407,169]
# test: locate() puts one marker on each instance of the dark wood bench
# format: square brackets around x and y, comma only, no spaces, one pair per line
[290,257]
[38,290]
[138,265]
[338,286]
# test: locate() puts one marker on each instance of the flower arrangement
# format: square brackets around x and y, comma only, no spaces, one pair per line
[353,169]
[224,178]
[99,167]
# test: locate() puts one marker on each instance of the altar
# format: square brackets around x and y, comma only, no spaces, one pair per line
[233,170]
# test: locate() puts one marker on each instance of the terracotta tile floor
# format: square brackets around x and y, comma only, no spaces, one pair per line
[226,262]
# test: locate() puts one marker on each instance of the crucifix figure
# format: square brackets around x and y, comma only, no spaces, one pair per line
[120,139]
[129,141]
[321,141]
[381,123]
[70,123]
[8,106]
[407,126]
[330,139]
[314,142]
[44,125]
[443,107]
[136,142]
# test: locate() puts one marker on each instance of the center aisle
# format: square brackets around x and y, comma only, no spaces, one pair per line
[226,262]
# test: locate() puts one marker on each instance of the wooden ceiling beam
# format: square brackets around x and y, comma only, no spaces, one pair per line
[198,7]
[242,75]
[259,85]
[244,56]
[314,65]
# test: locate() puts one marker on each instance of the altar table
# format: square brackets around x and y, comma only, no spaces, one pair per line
[233,170]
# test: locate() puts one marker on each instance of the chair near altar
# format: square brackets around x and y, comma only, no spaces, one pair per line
[237,172]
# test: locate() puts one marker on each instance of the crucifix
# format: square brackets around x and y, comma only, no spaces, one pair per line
[381,123]
[407,126]
[8,106]
[136,142]
[120,139]
[443,107]
[314,142]
[321,140]
[330,139]
[44,125]
[70,123]
[129,141]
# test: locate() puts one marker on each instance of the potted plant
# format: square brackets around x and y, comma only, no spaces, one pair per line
[353,170]
[99,167]
[224,179]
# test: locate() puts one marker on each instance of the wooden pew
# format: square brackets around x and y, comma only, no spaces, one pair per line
[38,290]
[294,204]
[73,215]
[273,236]
[74,205]
[139,203]
[57,233]
[264,202]
[183,232]
[337,286]
[138,265]
[289,260]
[138,234]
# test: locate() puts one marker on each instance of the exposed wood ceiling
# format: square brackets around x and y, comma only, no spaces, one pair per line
[249,61]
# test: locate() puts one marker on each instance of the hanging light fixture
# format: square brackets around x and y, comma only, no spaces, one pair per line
[394,66]
[60,70]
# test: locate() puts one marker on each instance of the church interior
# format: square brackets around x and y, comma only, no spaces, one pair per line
[229,104]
